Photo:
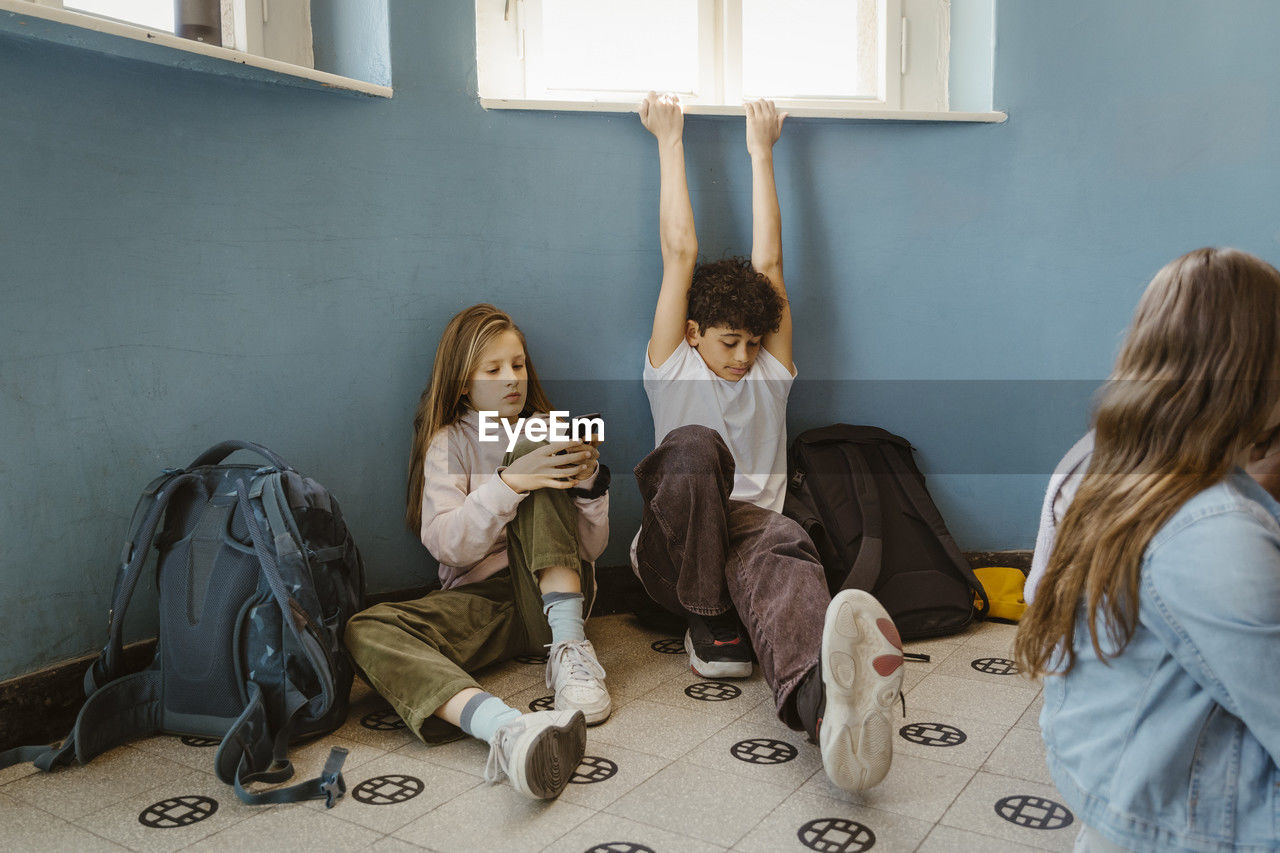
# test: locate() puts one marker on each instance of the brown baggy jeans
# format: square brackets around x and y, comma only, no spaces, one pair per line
[701,552]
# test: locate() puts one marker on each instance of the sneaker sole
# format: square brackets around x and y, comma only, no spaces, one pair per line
[715,669]
[552,757]
[862,673]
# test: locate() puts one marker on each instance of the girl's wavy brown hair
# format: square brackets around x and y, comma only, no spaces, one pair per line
[442,402]
[1194,386]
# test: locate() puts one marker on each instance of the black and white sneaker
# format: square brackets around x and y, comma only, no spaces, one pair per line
[718,646]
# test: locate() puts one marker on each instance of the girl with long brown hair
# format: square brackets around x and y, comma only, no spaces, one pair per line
[515,534]
[1156,623]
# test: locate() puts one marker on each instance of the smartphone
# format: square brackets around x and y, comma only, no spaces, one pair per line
[590,416]
[587,417]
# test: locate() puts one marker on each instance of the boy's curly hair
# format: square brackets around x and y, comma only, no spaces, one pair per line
[730,292]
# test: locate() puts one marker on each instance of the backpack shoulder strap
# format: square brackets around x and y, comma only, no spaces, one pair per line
[142,533]
[120,711]
[293,616]
[116,709]
[909,477]
[117,712]
[249,754]
[865,571]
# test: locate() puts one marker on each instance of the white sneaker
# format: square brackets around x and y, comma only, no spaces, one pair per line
[538,752]
[578,679]
[861,679]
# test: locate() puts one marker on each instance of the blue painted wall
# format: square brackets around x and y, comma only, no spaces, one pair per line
[188,258]
[351,38]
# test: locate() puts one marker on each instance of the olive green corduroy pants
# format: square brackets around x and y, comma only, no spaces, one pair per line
[419,654]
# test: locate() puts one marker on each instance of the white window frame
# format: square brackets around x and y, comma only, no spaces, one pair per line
[280,29]
[59,4]
[277,29]
[914,39]
[113,36]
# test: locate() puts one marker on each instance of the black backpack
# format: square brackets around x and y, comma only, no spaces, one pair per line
[257,576]
[857,492]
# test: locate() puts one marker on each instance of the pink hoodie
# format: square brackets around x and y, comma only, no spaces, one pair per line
[466,506]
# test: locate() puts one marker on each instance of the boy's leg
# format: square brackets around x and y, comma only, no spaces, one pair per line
[553,588]
[685,485]
[416,655]
[775,578]
[680,555]
[835,664]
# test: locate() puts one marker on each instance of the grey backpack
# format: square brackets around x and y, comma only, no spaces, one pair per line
[257,576]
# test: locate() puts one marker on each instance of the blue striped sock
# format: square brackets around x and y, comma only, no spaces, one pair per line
[484,714]
[564,615]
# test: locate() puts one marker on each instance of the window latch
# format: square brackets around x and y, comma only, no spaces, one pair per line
[506,16]
[902,47]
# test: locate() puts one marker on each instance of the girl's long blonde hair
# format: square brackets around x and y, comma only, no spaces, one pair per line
[1193,387]
[443,403]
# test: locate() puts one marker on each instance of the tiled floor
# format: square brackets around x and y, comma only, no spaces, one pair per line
[683,765]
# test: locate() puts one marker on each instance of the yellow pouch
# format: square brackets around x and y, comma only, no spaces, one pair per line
[1003,586]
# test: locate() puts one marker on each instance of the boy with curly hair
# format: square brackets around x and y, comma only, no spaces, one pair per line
[714,547]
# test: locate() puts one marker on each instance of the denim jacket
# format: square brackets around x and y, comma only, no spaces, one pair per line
[1174,744]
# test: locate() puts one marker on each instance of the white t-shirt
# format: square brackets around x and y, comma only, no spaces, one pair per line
[750,414]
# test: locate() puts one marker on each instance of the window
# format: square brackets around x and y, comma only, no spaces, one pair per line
[815,57]
[153,14]
[272,41]
[279,29]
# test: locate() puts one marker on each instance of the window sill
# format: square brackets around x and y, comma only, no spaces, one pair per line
[993,116]
[63,26]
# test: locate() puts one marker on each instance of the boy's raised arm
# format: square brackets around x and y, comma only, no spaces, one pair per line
[764,126]
[662,116]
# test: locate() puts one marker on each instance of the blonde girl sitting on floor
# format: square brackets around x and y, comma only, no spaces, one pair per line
[515,534]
